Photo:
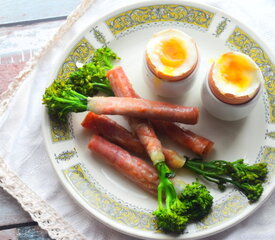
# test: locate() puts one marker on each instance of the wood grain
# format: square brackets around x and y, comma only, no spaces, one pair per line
[10,211]
[14,11]
[17,45]
[24,233]
[24,30]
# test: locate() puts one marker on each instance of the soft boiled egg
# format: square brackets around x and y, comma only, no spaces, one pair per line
[234,78]
[171,55]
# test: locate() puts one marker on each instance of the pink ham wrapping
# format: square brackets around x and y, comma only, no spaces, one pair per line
[143,108]
[135,169]
[111,130]
[186,138]
[142,127]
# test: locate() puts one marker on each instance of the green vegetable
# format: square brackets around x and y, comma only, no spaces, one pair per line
[70,95]
[197,200]
[104,57]
[91,77]
[193,203]
[247,178]
[61,100]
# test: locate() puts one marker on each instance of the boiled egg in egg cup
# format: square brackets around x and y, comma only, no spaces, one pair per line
[171,62]
[232,86]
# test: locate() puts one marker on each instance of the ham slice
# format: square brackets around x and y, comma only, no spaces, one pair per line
[143,108]
[134,168]
[186,138]
[111,130]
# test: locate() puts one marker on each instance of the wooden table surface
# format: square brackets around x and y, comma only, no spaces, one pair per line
[25,26]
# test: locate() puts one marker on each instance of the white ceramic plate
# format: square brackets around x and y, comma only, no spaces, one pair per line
[110,197]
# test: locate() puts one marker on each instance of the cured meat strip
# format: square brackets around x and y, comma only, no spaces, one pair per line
[173,159]
[135,169]
[143,108]
[120,83]
[111,130]
[186,138]
[148,139]
[142,127]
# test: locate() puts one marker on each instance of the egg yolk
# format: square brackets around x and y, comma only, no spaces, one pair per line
[172,53]
[236,70]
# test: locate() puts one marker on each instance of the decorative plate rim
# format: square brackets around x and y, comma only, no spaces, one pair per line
[117,226]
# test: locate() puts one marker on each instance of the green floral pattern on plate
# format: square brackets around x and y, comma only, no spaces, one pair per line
[271,135]
[60,131]
[225,210]
[268,156]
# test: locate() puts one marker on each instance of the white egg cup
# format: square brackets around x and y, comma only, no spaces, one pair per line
[169,89]
[225,111]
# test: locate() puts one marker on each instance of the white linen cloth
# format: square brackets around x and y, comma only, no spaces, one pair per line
[22,146]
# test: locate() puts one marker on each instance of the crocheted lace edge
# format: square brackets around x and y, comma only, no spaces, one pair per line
[41,212]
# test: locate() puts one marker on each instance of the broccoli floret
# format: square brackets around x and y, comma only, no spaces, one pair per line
[247,178]
[61,100]
[70,95]
[252,192]
[104,57]
[197,201]
[251,174]
[91,77]
[170,222]
[193,204]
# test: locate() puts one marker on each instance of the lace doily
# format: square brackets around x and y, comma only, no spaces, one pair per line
[39,210]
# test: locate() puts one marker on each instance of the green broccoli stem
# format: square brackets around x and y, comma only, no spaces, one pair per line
[210,176]
[104,88]
[171,217]
[193,203]
[165,186]
[247,178]
[211,167]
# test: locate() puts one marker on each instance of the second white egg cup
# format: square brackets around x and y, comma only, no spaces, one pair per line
[225,111]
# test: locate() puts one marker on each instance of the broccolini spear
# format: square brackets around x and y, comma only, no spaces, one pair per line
[61,99]
[91,77]
[247,178]
[70,95]
[193,204]
[168,217]
[184,203]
